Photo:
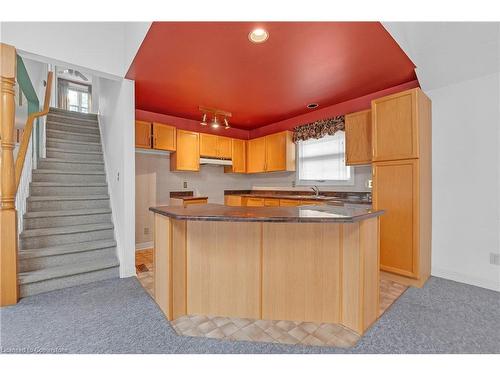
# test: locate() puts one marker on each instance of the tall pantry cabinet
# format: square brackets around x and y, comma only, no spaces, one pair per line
[401,154]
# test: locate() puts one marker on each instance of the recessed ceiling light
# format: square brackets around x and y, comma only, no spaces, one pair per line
[313,105]
[258,35]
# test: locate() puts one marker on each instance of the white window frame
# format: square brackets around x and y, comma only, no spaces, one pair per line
[299,182]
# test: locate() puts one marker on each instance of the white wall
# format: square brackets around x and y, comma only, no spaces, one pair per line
[154,182]
[466,185]
[116,117]
[100,47]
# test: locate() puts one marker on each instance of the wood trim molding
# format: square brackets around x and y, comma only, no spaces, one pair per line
[9,292]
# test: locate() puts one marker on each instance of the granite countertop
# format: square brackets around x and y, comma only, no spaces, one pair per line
[185,195]
[330,197]
[300,214]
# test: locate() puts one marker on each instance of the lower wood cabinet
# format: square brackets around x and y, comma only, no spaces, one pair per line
[187,155]
[253,202]
[164,137]
[142,134]
[395,190]
[271,202]
[358,138]
[289,202]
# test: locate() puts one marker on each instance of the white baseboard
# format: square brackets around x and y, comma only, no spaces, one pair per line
[466,279]
[144,245]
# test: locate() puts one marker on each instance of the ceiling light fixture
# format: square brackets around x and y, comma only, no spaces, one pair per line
[216,115]
[313,105]
[204,120]
[215,122]
[258,35]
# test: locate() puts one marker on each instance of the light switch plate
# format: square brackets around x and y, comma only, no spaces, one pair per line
[185,184]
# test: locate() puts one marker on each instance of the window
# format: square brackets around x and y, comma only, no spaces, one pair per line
[322,161]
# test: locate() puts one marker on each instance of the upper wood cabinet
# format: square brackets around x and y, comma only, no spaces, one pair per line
[272,153]
[214,146]
[395,125]
[187,155]
[358,137]
[208,145]
[142,134]
[224,148]
[256,155]
[239,151]
[164,137]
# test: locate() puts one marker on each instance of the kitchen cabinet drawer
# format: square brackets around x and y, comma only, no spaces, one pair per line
[233,200]
[358,138]
[142,134]
[163,137]
[257,202]
[289,202]
[271,202]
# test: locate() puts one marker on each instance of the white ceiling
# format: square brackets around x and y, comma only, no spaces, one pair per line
[449,52]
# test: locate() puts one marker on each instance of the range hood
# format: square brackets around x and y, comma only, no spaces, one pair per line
[213,161]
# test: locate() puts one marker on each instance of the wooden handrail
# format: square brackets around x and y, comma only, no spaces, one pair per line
[28,128]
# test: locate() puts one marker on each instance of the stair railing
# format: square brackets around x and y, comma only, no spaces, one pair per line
[27,159]
[28,131]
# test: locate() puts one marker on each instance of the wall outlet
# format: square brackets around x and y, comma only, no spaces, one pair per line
[495,259]
[293,183]
[185,184]
[146,230]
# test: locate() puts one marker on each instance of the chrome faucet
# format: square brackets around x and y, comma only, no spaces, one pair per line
[315,189]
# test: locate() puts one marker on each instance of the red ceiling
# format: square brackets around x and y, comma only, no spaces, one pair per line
[181,65]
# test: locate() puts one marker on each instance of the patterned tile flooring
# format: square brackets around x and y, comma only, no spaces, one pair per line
[277,331]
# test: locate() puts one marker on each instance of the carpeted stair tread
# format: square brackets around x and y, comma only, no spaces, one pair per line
[87,211]
[61,171]
[67,198]
[66,151]
[55,160]
[65,230]
[68,184]
[68,113]
[67,270]
[72,141]
[66,249]
[63,132]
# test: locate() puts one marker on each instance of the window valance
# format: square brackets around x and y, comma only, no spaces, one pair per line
[319,129]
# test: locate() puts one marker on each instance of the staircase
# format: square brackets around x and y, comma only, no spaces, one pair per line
[68,235]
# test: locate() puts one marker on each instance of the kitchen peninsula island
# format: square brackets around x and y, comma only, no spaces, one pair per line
[306,263]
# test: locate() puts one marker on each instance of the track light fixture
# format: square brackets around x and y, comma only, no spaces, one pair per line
[204,120]
[216,115]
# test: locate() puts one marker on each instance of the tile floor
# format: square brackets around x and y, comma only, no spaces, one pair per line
[284,332]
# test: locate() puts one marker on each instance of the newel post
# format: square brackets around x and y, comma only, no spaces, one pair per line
[9,293]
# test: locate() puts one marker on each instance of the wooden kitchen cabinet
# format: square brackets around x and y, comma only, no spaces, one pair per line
[208,145]
[272,153]
[280,152]
[239,157]
[224,148]
[358,138]
[233,200]
[256,155]
[396,190]
[254,202]
[395,125]
[187,155]
[214,146]
[289,202]
[403,186]
[163,137]
[142,134]
[271,202]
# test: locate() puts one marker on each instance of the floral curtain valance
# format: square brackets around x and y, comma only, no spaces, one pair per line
[318,129]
